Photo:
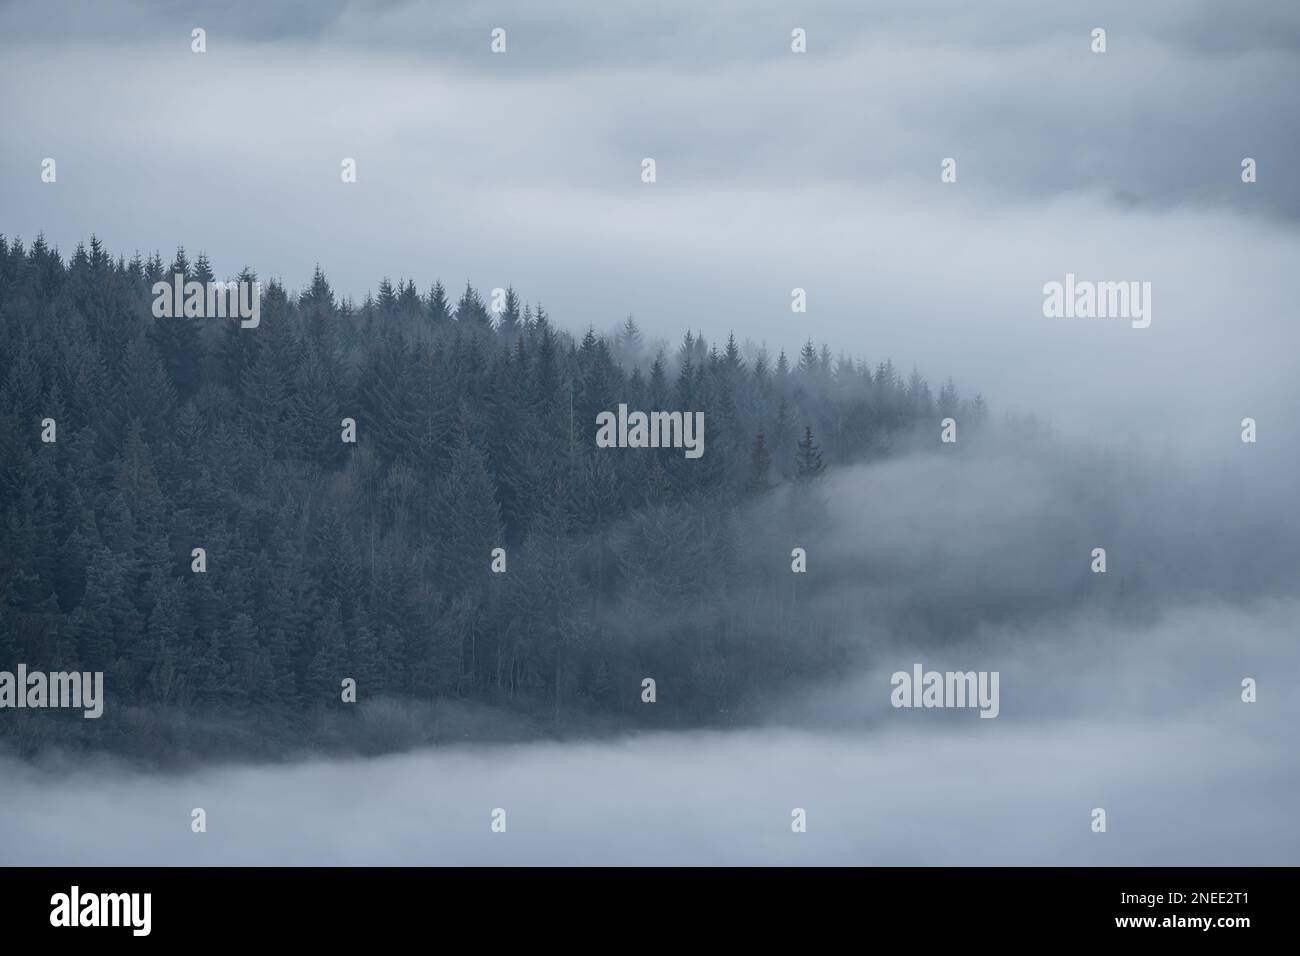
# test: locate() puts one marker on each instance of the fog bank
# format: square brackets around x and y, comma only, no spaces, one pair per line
[1147,724]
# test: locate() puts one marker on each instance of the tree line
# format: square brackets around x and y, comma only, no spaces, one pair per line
[474,430]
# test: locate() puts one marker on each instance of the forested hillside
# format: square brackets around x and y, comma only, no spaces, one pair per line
[372,560]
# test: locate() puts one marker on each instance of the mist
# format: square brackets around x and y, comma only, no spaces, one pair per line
[775,172]
[1130,702]
[1120,690]
[1145,726]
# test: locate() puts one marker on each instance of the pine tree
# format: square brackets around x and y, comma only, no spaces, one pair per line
[467,498]
[318,300]
[630,335]
[387,301]
[177,338]
[808,361]
[658,383]
[784,435]
[438,309]
[465,445]
[203,270]
[508,325]
[808,460]
[470,310]
[733,360]
[760,463]
[328,667]
[948,402]
[144,394]
[409,305]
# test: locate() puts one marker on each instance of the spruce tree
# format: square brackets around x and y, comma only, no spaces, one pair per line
[808,460]
[438,309]
[760,463]
[509,323]
[470,310]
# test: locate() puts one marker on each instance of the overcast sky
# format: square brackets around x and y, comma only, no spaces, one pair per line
[775,170]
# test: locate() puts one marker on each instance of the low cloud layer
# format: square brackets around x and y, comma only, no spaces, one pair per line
[1148,726]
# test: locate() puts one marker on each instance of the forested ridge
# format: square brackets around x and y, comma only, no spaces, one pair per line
[371,560]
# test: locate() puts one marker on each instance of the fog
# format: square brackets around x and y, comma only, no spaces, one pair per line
[775,171]
[1130,703]
[1147,727]
[1120,691]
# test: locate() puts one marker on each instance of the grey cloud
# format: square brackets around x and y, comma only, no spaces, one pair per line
[1152,730]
